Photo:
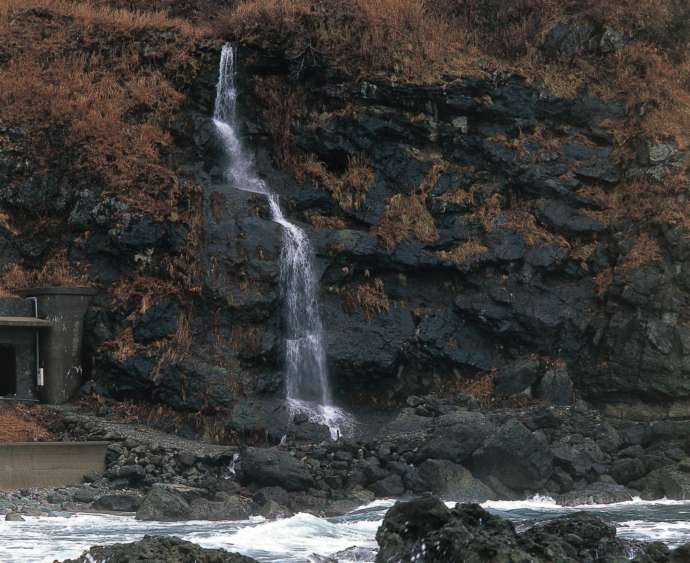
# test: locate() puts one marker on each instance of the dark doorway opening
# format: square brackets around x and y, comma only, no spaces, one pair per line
[8,371]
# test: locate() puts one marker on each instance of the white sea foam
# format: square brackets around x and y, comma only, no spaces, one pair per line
[540,502]
[294,539]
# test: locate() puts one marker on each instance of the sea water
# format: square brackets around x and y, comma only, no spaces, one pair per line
[297,538]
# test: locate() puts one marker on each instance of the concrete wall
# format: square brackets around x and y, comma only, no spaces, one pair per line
[60,348]
[48,464]
[22,339]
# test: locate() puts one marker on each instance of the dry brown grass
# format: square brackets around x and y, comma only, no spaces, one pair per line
[349,189]
[602,282]
[71,67]
[643,202]
[94,14]
[407,39]
[57,271]
[644,251]
[521,219]
[138,293]
[19,423]
[123,346]
[406,217]
[280,104]
[458,197]
[420,40]
[368,297]
[460,253]
[481,388]
[320,221]
[582,252]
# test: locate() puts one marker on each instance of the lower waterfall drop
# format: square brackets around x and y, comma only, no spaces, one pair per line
[306,372]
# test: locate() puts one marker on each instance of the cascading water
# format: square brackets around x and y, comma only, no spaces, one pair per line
[306,374]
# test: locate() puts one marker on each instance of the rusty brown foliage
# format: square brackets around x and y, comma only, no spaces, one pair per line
[21,423]
[368,297]
[462,252]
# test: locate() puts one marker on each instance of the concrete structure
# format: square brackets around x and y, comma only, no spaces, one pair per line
[19,330]
[49,464]
[60,350]
[41,343]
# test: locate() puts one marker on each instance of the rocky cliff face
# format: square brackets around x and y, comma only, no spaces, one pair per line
[465,231]
[478,234]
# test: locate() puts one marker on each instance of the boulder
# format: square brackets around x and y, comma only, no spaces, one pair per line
[596,493]
[273,467]
[117,503]
[672,482]
[231,507]
[515,456]
[272,511]
[388,487]
[159,549]
[84,495]
[555,387]
[453,482]
[518,376]
[456,436]
[13,517]
[579,456]
[132,473]
[164,505]
[628,469]
[424,529]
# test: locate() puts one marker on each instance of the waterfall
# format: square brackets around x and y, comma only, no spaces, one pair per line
[306,373]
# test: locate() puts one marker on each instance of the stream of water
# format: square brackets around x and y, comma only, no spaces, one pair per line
[306,372]
[295,539]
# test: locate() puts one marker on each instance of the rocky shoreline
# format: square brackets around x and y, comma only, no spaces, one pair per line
[455,450]
[427,530]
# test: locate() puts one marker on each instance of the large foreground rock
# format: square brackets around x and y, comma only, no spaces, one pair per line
[157,549]
[426,530]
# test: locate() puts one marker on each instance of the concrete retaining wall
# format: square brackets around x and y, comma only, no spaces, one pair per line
[48,464]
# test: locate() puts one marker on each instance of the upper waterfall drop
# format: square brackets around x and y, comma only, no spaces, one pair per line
[306,372]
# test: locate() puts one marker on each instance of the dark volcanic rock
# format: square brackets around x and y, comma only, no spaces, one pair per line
[165,505]
[194,385]
[159,549]
[456,436]
[597,493]
[515,456]
[450,480]
[518,376]
[426,530]
[273,467]
[158,321]
[117,503]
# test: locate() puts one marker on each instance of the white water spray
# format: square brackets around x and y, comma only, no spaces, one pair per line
[306,373]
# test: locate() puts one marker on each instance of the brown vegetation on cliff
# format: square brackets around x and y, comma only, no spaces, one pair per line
[368,297]
[79,68]
[641,55]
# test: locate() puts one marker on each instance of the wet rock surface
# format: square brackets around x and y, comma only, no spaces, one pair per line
[425,529]
[573,454]
[153,549]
